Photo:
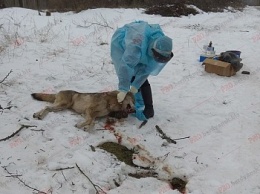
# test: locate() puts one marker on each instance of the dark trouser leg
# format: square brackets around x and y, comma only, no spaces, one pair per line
[146,92]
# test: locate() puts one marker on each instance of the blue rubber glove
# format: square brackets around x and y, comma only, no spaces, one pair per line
[139,107]
[139,102]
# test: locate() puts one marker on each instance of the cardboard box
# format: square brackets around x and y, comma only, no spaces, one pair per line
[218,67]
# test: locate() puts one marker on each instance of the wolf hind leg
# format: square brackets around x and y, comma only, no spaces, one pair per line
[88,123]
[55,108]
[90,119]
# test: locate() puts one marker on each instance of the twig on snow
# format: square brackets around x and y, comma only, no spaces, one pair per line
[182,138]
[1,82]
[103,23]
[166,155]
[6,108]
[142,124]
[101,129]
[13,134]
[58,169]
[94,23]
[17,177]
[94,185]
[60,186]
[64,176]
[13,176]
[38,130]
[164,136]
[92,148]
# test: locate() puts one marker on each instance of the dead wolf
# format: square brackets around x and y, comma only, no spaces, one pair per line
[93,105]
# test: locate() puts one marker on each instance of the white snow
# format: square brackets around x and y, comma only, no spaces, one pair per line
[220,114]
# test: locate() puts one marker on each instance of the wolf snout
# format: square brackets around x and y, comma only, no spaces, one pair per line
[130,109]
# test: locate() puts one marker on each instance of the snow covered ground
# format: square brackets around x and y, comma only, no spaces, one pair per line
[69,51]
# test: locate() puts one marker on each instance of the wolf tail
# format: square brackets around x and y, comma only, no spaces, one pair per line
[44,97]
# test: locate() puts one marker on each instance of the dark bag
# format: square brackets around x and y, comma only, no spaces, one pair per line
[231,58]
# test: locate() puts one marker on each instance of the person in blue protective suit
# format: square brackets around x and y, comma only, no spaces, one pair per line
[139,49]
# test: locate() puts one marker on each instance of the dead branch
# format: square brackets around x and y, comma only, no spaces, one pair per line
[94,185]
[166,155]
[14,175]
[13,134]
[105,21]
[92,148]
[64,176]
[94,23]
[142,124]
[1,82]
[101,129]
[164,136]
[58,169]
[6,108]
[38,130]
[26,185]
[196,159]
[182,138]
[103,24]
[60,186]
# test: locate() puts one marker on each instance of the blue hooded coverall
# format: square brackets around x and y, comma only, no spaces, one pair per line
[131,53]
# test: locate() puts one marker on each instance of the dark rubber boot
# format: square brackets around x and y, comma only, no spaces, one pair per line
[148,99]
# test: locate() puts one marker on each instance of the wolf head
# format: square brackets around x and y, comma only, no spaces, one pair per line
[129,102]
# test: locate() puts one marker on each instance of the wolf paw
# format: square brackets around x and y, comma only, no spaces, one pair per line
[84,126]
[78,125]
[37,116]
[87,127]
